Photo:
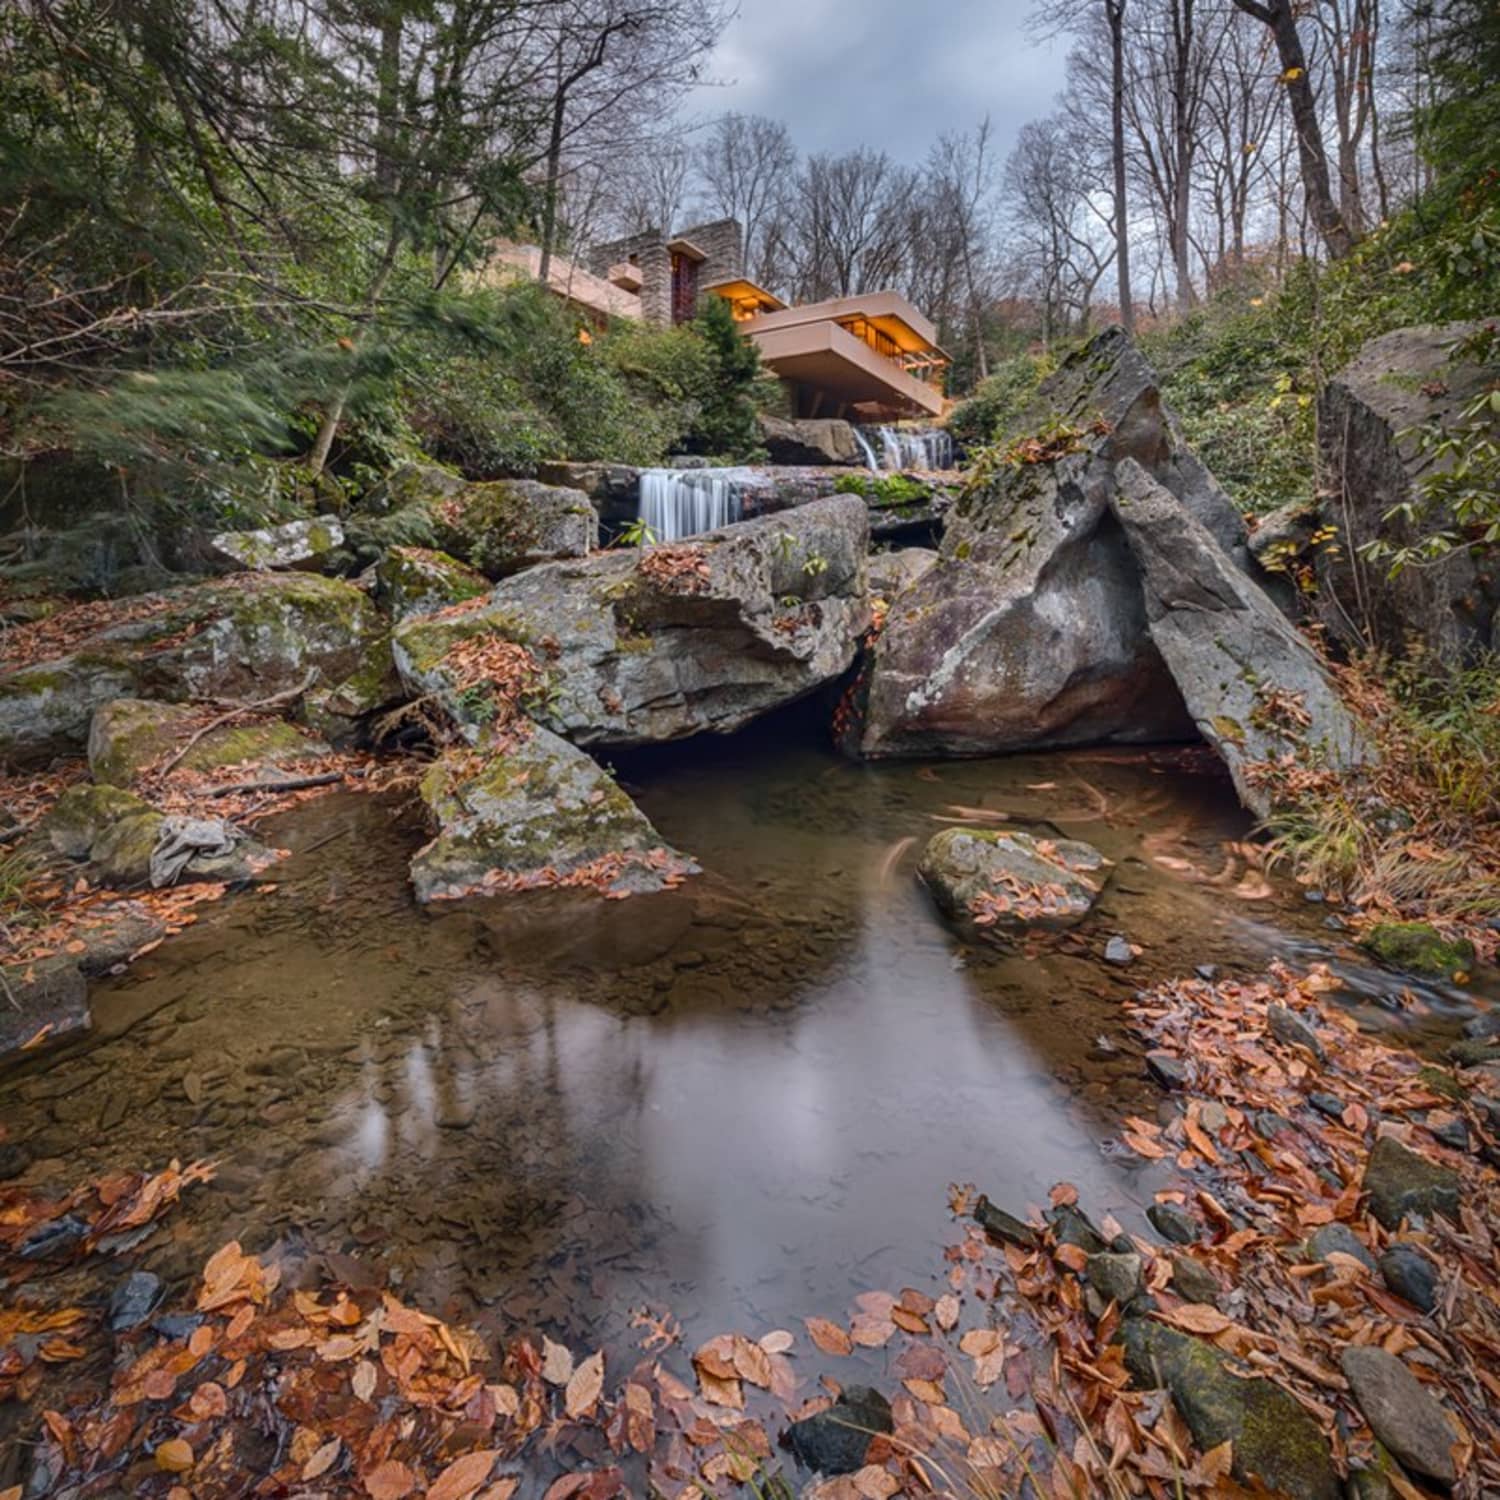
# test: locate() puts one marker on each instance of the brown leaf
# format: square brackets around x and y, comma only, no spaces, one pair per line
[584,1388]
[390,1481]
[364,1379]
[829,1337]
[557,1363]
[322,1460]
[1196,1318]
[462,1478]
[174,1456]
[752,1363]
[946,1312]
[777,1342]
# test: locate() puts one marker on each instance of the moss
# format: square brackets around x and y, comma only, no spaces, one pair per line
[85,813]
[1419,949]
[238,744]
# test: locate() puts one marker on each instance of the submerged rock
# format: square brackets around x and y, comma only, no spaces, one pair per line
[993,882]
[1255,688]
[290,545]
[1401,1183]
[128,736]
[1419,949]
[1402,1412]
[133,1301]
[246,637]
[836,1441]
[643,645]
[1276,1441]
[531,811]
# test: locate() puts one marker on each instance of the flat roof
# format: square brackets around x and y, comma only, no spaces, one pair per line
[742,289]
[825,356]
[910,330]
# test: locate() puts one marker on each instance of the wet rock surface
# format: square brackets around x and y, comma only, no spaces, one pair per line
[1275,1440]
[998,882]
[1403,1184]
[1418,948]
[658,644]
[1255,688]
[534,810]
[1402,1412]
[836,1441]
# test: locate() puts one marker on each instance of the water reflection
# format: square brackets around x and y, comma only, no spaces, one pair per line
[743,1100]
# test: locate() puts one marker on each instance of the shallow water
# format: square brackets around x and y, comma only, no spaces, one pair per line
[742,1101]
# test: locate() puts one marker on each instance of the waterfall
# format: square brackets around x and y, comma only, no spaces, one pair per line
[683,502]
[864,447]
[906,448]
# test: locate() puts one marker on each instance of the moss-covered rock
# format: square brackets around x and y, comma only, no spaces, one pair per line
[129,735]
[1417,948]
[994,882]
[510,524]
[1402,1184]
[419,580]
[531,812]
[84,813]
[246,637]
[290,545]
[1276,1441]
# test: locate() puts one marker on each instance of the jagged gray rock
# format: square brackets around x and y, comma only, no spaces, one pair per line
[290,545]
[528,810]
[822,440]
[657,644]
[1369,417]
[1256,689]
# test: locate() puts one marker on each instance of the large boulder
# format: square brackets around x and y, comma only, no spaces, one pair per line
[290,545]
[420,580]
[525,810]
[821,440]
[131,735]
[994,882]
[1031,632]
[614,489]
[643,645]
[248,637]
[1370,417]
[509,524]
[1256,689]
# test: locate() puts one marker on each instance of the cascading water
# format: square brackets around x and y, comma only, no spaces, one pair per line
[683,502]
[865,447]
[905,448]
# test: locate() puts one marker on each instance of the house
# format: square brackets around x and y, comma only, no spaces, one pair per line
[596,299]
[871,357]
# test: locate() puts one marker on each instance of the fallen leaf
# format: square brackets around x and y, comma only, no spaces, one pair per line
[322,1460]
[557,1363]
[585,1386]
[390,1481]
[829,1337]
[174,1456]
[462,1478]
[777,1342]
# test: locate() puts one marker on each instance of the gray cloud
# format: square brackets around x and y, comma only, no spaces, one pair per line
[890,74]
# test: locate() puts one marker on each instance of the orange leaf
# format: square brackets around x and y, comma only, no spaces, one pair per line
[390,1481]
[585,1386]
[174,1456]
[829,1337]
[462,1478]
[1196,1318]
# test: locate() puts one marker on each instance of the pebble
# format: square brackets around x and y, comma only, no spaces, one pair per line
[1193,1282]
[1117,1278]
[1173,1223]
[1411,1275]
[1339,1239]
[1480,1027]
[1207,972]
[1401,1183]
[1452,1131]
[134,1300]
[1402,1412]
[1002,1226]
[1170,1072]
[1292,1031]
[1326,1104]
[1118,951]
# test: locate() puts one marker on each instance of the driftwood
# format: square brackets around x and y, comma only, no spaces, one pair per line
[274,701]
[290,784]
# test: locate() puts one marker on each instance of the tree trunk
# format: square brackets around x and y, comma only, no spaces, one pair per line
[1115,12]
[1312,156]
[554,172]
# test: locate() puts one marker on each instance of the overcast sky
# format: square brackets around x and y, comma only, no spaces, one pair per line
[890,74]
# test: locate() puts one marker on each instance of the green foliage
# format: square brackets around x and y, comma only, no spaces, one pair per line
[999,400]
[726,425]
[884,489]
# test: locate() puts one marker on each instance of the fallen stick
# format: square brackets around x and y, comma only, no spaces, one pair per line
[11,834]
[274,701]
[291,784]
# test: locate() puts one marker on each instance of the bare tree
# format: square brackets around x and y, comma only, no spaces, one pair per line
[745,166]
[1281,17]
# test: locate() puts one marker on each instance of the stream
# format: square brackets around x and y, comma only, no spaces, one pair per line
[742,1102]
